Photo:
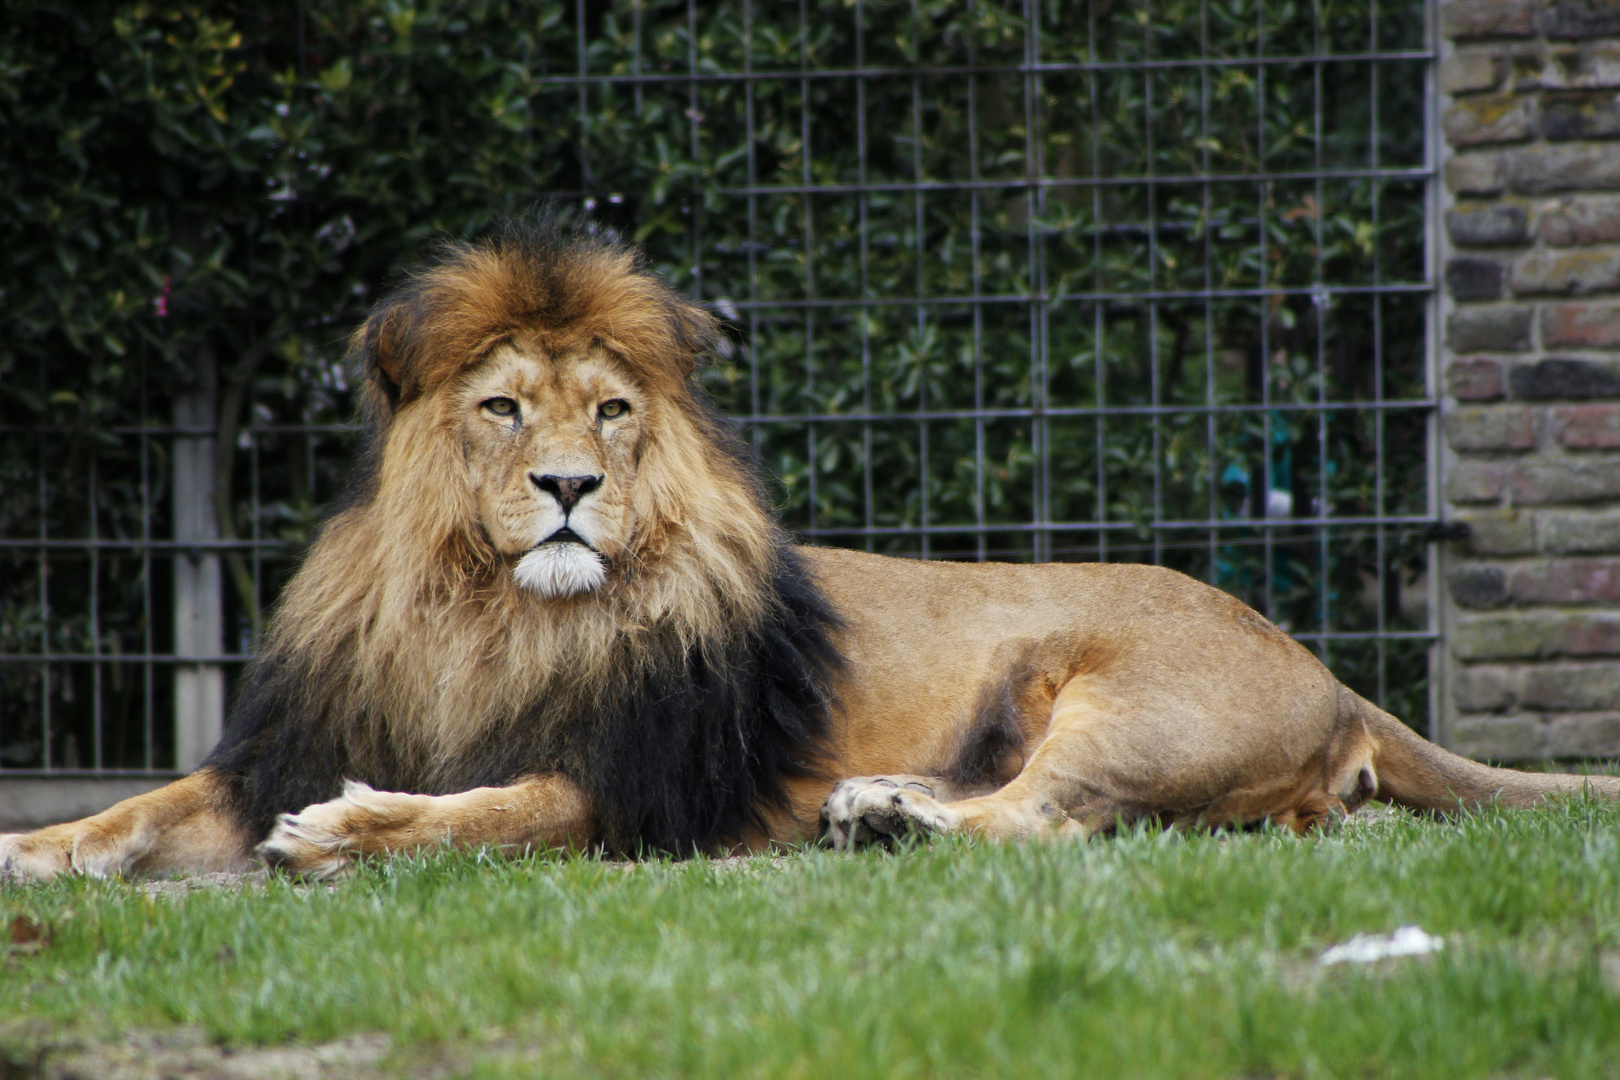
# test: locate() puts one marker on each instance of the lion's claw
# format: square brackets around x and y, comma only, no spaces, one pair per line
[324,839]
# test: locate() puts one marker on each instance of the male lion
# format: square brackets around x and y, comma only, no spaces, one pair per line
[558,613]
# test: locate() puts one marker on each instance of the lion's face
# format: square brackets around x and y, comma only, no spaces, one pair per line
[551,445]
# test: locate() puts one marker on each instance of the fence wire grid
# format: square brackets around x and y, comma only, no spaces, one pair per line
[1068,281]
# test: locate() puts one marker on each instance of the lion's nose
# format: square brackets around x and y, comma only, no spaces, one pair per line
[567,490]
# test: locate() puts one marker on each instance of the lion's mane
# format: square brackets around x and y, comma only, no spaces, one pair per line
[679,696]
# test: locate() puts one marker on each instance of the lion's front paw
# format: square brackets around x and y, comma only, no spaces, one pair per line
[28,857]
[63,849]
[322,840]
[882,810]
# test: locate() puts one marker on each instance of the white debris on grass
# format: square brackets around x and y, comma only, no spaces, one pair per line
[1366,948]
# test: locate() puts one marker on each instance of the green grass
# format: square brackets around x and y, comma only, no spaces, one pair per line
[1149,955]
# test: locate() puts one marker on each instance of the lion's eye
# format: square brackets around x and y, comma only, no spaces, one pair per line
[502,406]
[612,410]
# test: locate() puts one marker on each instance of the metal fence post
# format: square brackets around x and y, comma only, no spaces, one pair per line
[199,688]
[1434,605]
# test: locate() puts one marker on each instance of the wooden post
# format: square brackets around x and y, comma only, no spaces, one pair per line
[199,688]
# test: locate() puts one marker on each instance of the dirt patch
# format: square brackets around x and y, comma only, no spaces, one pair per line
[1376,815]
[185,886]
[34,1052]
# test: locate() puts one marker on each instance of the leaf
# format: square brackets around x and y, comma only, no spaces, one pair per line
[27,934]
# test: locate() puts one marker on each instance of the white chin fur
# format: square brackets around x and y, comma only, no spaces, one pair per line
[560,569]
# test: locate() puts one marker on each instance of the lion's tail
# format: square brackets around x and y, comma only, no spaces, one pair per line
[1414,772]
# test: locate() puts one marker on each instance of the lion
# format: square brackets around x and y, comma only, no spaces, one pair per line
[558,613]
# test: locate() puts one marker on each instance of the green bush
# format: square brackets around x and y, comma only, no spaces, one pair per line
[212,179]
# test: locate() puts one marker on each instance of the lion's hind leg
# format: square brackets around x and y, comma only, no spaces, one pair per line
[1067,787]
[1109,756]
[1114,754]
[324,839]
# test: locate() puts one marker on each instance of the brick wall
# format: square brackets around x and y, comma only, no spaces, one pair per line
[1530,420]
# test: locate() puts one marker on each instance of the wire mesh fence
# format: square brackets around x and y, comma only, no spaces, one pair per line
[1069,281]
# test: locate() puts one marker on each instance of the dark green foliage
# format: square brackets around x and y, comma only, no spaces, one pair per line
[238,181]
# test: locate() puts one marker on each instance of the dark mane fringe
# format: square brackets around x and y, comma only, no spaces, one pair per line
[687,751]
[681,754]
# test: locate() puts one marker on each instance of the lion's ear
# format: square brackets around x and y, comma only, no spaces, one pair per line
[699,333]
[378,345]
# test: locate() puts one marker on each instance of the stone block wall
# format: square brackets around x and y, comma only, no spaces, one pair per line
[1530,361]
